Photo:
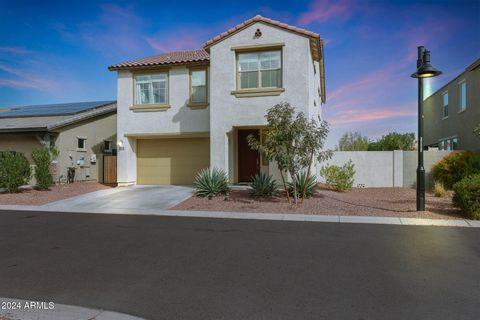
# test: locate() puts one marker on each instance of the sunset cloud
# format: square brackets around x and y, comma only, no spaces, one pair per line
[324,10]
[20,79]
[364,115]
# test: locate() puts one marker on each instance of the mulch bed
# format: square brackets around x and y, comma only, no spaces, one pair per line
[55,193]
[386,202]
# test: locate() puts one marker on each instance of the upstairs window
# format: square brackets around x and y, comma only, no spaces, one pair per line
[81,143]
[151,89]
[463,95]
[445,104]
[198,86]
[259,70]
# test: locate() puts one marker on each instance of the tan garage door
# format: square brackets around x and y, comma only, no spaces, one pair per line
[171,161]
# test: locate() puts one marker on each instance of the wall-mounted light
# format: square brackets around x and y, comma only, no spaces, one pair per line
[120,144]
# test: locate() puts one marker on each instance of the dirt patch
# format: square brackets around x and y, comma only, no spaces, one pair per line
[387,202]
[55,193]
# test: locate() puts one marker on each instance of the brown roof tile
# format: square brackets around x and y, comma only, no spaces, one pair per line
[259,18]
[169,58]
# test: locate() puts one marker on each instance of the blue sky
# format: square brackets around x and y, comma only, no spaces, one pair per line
[58,51]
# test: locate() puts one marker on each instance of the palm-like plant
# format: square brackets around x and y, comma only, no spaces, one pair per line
[210,183]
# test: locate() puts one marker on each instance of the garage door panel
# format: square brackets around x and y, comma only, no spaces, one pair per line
[171,161]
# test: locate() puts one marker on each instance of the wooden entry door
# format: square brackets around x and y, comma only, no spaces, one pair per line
[248,159]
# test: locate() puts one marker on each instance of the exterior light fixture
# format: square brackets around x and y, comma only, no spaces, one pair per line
[424,70]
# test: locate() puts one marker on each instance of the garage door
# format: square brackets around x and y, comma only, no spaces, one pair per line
[171,161]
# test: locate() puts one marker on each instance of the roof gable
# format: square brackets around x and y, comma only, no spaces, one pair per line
[254,20]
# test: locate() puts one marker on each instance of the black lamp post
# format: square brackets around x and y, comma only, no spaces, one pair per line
[424,70]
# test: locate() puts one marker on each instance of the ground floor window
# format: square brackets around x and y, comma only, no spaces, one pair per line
[448,144]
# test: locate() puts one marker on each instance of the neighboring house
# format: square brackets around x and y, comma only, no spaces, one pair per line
[83,132]
[183,111]
[452,113]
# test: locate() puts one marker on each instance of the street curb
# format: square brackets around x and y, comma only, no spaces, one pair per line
[262,216]
[41,310]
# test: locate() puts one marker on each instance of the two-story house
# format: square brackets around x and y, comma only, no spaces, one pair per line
[453,111]
[183,111]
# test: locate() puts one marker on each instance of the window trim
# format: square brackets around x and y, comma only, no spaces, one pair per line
[150,107]
[443,106]
[257,92]
[111,146]
[460,83]
[84,139]
[198,105]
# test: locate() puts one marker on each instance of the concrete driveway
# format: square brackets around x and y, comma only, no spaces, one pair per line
[135,198]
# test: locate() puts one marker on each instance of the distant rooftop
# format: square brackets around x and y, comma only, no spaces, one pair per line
[44,110]
[48,117]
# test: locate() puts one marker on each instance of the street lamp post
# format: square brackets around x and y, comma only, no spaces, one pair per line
[424,70]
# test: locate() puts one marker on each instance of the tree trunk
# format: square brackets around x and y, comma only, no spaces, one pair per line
[285,186]
[307,177]
[294,182]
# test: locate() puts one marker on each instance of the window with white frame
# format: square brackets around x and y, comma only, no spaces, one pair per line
[448,144]
[445,104]
[463,95]
[81,142]
[259,70]
[198,86]
[151,89]
[107,146]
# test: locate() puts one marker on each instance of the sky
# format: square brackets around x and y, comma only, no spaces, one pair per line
[59,51]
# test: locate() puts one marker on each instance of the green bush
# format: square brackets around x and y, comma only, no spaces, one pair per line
[15,170]
[311,185]
[209,183]
[339,178]
[467,196]
[456,166]
[43,158]
[263,185]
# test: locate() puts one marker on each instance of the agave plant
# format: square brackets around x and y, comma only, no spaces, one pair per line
[310,187]
[263,185]
[209,183]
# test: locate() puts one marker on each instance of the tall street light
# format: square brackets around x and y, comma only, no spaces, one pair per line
[424,70]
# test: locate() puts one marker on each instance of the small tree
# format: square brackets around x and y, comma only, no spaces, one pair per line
[393,141]
[43,157]
[15,170]
[292,141]
[353,141]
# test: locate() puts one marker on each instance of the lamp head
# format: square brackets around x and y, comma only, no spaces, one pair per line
[426,70]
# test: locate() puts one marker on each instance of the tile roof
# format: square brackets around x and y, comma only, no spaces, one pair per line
[259,18]
[169,58]
[52,122]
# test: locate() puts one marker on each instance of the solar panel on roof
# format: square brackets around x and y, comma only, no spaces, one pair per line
[53,109]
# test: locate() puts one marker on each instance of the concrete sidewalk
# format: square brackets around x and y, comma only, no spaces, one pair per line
[17,309]
[255,216]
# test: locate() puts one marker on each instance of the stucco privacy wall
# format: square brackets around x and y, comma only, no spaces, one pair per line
[96,131]
[179,118]
[228,111]
[386,168]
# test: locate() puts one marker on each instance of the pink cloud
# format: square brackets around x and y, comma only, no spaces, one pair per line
[362,115]
[20,79]
[324,10]
[180,41]
[15,50]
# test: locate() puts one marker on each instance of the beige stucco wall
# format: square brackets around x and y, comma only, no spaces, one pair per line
[96,132]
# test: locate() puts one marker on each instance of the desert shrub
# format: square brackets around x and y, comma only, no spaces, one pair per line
[263,185]
[15,170]
[209,183]
[339,178]
[439,189]
[43,157]
[310,187]
[467,196]
[455,166]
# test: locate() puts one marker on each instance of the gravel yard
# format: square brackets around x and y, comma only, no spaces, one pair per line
[56,192]
[387,202]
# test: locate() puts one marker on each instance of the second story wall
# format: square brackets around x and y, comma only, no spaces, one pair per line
[176,117]
[230,109]
[453,128]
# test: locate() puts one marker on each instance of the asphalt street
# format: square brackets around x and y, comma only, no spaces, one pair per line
[197,268]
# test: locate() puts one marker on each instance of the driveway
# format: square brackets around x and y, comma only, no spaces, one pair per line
[190,268]
[135,198]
